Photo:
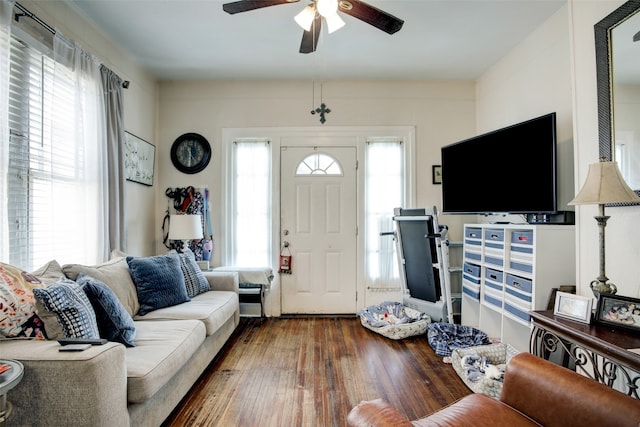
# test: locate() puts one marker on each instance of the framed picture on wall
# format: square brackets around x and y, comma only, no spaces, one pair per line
[139,159]
[436,174]
[618,311]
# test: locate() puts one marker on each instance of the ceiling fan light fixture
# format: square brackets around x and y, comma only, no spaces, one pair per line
[327,8]
[334,23]
[305,17]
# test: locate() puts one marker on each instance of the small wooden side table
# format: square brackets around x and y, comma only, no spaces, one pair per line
[8,380]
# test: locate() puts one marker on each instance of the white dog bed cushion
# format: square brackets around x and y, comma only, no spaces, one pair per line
[394,320]
[486,375]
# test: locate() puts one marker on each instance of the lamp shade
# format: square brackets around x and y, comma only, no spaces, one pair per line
[185,227]
[604,184]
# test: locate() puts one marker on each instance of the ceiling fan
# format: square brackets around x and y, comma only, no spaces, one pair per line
[310,19]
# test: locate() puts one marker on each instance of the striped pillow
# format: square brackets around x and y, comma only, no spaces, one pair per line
[194,279]
[72,308]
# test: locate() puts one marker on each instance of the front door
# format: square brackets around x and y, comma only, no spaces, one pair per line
[319,224]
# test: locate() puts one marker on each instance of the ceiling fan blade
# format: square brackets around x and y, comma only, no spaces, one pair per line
[371,15]
[247,5]
[310,38]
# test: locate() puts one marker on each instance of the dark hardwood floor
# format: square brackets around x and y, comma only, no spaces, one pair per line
[310,371]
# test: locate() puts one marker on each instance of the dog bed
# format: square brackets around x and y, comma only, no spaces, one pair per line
[445,337]
[481,368]
[394,320]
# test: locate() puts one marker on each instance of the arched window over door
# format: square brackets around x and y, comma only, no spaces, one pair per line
[319,164]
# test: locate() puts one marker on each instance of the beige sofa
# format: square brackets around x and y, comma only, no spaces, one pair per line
[114,385]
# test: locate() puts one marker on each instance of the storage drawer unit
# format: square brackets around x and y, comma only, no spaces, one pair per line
[492,298]
[471,280]
[519,264]
[473,244]
[493,279]
[521,251]
[494,247]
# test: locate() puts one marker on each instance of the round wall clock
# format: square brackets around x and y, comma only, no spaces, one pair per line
[190,153]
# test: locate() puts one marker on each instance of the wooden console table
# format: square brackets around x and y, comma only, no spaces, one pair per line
[598,351]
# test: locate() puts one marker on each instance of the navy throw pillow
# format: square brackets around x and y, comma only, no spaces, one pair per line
[159,281]
[114,322]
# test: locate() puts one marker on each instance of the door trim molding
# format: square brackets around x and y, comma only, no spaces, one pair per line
[313,136]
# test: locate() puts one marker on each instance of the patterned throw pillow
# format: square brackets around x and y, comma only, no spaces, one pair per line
[18,316]
[72,307]
[194,279]
[159,281]
[114,323]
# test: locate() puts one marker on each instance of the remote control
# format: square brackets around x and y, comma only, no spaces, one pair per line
[92,341]
[75,347]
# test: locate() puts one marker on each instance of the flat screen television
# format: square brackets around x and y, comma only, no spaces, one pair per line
[508,171]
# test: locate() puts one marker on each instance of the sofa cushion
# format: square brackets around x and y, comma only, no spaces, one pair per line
[159,281]
[18,314]
[114,323]
[162,349]
[194,279]
[72,307]
[115,274]
[48,274]
[212,308]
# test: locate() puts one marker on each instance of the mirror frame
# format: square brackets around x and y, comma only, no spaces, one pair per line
[602,32]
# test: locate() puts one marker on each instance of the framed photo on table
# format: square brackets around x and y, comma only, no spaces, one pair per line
[618,311]
[573,307]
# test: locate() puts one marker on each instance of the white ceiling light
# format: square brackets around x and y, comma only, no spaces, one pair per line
[305,18]
[334,23]
[327,8]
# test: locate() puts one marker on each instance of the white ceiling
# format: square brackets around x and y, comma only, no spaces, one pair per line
[196,39]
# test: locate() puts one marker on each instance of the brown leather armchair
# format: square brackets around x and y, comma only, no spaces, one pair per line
[535,393]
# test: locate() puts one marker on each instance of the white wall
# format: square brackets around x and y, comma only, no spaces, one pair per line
[532,80]
[622,243]
[139,106]
[441,112]
[554,70]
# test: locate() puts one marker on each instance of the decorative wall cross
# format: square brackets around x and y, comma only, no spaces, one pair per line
[322,110]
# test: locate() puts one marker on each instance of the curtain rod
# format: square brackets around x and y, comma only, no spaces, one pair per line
[26,12]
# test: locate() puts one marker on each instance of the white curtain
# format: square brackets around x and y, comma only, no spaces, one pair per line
[251,242]
[384,190]
[6,13]
[77,205]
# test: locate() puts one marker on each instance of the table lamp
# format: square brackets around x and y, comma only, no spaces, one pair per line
[604,185]
[185,228]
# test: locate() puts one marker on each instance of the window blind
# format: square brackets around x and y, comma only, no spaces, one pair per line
[42,171]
